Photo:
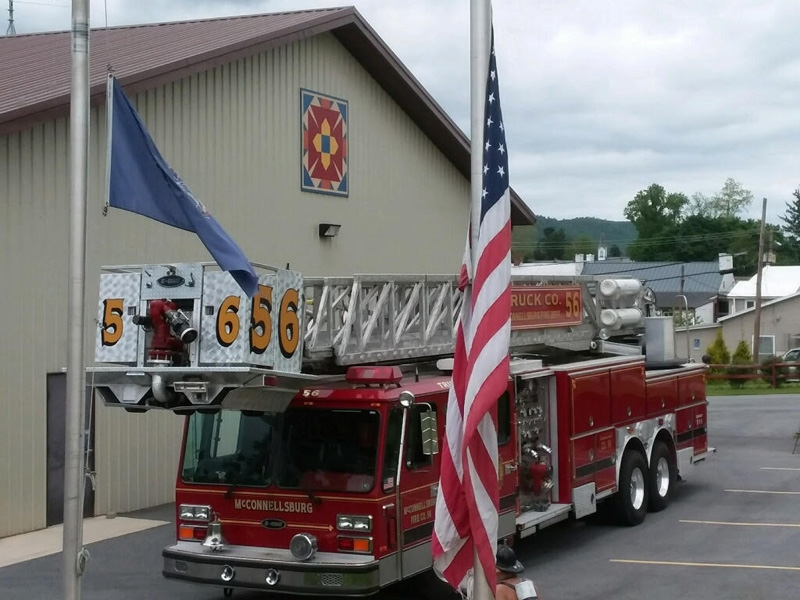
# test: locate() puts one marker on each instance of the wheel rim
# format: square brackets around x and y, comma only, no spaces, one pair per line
[637,488]
[662,477]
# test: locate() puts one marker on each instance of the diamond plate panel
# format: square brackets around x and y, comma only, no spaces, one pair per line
[119,301]
[230,344]
[225,339]
[177,282]
[288,287]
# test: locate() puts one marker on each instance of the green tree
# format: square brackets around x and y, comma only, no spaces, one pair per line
[523,242]
[699,205]
[552,245]
[731,199]
[741,356]
[653,210]
[614,252]
[582,244]
[718,350]
[792,223]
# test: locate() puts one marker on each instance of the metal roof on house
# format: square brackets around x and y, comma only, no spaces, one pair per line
[35,70]
[776,282]
[766,304]
[702,280]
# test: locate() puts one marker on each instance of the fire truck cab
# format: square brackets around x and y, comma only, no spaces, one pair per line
[325,483]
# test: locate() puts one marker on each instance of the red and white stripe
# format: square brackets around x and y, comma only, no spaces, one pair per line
[467,504]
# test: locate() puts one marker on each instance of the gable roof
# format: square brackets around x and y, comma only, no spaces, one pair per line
[701,280]
[776,282]
[35,70]
[748,311]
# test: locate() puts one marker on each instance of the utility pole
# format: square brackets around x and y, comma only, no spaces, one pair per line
[686,313]
[11,29]
[74,555]
[757,319]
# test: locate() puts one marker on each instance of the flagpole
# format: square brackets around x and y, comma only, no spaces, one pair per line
[479,64]
[480,19]
[74,557]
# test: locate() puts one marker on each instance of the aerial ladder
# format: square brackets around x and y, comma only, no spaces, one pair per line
[185,337]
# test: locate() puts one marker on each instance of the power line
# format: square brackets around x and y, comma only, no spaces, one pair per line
[655,241]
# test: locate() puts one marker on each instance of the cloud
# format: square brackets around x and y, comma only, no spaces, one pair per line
[600,99]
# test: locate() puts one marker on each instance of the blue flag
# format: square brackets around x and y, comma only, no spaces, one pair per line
[141,181]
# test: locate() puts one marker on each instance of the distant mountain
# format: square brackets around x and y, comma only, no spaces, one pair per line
[615,233]
[620,233]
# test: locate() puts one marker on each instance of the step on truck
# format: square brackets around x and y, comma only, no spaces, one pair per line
[315,411]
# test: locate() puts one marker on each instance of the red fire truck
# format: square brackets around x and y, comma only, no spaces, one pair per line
[315,411]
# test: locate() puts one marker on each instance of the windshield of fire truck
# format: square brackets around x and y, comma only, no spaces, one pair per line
[332,450]
[229,447]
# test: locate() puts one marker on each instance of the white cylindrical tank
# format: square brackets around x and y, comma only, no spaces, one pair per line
[616,288]
[615,318]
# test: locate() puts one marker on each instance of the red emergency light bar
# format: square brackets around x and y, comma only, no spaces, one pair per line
[374,375]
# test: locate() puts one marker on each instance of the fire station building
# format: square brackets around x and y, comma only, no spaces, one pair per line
[300,132]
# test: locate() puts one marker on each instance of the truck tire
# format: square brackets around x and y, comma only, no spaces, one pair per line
[632,492]
[662,477]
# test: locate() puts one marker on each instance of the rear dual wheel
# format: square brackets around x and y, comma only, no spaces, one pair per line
[662,477]
[631,498]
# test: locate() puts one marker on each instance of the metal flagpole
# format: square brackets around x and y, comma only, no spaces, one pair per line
[74,557]
[479,65]
[480,19]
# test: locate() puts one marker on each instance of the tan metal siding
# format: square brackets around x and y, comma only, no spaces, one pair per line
[706,336]
[781,320]
[233,133]
[33,327]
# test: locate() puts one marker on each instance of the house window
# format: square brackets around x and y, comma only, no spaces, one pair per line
[749,304]
[723,307]
[766,347]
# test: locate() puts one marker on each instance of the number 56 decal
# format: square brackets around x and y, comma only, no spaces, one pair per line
[261,321]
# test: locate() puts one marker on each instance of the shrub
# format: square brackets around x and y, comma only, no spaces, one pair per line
[741,356]
[718,351]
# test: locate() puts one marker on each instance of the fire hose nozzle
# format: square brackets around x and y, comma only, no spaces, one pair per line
[180,325]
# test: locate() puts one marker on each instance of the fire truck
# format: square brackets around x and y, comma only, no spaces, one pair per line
[315,411]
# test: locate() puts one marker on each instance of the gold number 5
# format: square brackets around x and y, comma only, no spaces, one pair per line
[112,321]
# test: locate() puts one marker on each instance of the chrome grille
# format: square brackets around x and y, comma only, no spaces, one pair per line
[331,579]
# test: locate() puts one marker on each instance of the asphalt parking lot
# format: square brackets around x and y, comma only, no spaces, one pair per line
[731,533]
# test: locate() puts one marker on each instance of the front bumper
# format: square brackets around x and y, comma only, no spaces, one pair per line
[327,574]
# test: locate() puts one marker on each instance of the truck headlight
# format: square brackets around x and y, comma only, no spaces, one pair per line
[354,522]
[194,512]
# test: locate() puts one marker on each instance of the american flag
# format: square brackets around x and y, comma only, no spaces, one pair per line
[466,507]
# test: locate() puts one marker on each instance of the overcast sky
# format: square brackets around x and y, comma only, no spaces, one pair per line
[600,98]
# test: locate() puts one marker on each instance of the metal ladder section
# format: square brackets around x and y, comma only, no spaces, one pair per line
[377,318]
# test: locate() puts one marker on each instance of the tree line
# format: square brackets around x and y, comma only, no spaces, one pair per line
[675,227]
[672,226]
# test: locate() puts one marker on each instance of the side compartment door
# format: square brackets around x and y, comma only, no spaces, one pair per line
[507,466]
[627,394]
[700,434]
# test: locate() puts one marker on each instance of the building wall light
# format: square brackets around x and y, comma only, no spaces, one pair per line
[328,230]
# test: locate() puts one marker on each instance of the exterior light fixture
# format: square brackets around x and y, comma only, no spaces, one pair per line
[328,230]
